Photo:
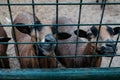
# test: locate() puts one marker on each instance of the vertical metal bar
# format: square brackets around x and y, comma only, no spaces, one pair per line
[102,4]
[14,34]
[115,48]
[57,7]
[103,9]
[57,15]
[33,10]
[79,17]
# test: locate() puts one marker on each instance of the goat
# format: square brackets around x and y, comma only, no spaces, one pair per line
[32,34]
[4,63]
[68,34]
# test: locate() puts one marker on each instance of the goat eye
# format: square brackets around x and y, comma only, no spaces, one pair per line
[63,35]
[110,30]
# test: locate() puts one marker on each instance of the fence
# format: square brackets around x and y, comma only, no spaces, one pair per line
[61,73]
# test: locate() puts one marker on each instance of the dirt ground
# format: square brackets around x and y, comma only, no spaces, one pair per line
[90,14]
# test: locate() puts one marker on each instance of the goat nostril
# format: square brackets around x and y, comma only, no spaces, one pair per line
[102,50]
[109,45]
[47,39]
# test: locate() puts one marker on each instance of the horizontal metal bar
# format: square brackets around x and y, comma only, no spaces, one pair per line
[62,74]
[10,25]
[65,3]
[65,42]
[65,56]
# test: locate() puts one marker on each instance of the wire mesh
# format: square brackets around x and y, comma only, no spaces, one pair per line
[79,24]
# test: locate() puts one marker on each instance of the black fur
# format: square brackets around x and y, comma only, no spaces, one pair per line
[39,27]
[60,35]
[94,31]
[4,39]
[110,30]
[28,29]
[23,28]
[63,35]
[83,34]
[116,30]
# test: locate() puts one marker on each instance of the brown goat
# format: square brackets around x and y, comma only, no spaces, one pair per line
[4,63]
[28,34]
[68,34]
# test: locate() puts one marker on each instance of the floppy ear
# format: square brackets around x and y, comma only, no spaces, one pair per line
[4,39]
[116,30]
[23,28]
[63,35]
[81,33]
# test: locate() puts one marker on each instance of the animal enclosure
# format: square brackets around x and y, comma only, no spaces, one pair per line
[81,15]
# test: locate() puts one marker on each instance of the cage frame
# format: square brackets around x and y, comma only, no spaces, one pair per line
[57,74]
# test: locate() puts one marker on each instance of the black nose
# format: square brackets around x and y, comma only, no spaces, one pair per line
[113,46]
[48,46]
[49,38]
[108,49]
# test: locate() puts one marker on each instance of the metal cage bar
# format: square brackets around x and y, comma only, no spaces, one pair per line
[63,74]
[29,4]
[79,20]
[58,74]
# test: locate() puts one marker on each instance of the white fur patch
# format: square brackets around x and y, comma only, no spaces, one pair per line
[83,39]
[43,40]
[8,20]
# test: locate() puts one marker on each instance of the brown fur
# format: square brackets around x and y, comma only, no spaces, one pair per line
[70,49]
[87,49]
[27,49]
[104,33]
[3,49]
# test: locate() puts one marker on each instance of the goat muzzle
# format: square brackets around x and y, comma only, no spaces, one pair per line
[109,49]
[48,44]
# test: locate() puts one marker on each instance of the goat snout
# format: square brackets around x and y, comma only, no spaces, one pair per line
[108,49]
[49,43]
[49,38]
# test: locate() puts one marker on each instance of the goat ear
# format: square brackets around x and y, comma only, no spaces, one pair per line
[81,33]
[23,28]
[116,30]
[63,35]
[4,39]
